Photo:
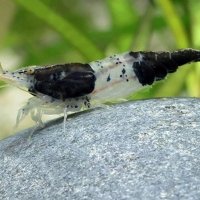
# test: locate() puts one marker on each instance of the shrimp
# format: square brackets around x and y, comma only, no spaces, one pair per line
[73,87]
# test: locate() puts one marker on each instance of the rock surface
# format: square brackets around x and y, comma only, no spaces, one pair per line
[136,150]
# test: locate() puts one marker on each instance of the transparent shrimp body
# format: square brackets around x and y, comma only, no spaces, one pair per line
[115,79]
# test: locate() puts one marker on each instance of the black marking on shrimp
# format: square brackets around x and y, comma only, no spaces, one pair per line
[154,66]
[87,102]
[21,72]
[134,54]
[123,71]
[108,78]
[64,81]
[87,98]
[123,75]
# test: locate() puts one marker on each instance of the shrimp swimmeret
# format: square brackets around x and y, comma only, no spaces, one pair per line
[64,88]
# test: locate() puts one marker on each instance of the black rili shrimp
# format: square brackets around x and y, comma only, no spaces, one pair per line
[65,88]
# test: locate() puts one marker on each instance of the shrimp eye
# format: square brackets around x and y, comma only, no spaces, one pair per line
[30,71]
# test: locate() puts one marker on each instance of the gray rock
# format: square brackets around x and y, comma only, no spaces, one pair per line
[136,150]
